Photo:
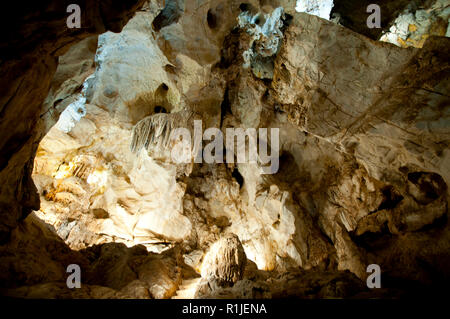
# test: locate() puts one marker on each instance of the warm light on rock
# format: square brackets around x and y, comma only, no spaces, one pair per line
[89,173]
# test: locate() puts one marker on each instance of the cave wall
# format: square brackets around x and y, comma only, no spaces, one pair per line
[353,14]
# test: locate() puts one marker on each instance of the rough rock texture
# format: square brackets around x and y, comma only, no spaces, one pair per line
[414,25]
[293,284]
[363,175]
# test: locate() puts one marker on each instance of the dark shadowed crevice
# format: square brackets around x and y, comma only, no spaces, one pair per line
[160,109]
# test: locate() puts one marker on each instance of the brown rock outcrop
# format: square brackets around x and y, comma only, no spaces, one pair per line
[33,37]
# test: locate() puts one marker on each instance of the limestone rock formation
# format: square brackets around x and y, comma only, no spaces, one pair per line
[225,261]
[30,48]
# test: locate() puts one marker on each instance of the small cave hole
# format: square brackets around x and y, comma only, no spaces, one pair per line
[404,169]
[265,96]
[373,241]
[439,222]
[259,20]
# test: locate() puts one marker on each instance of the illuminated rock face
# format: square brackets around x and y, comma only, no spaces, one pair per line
[364,162]
[225,261]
